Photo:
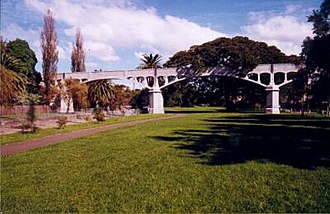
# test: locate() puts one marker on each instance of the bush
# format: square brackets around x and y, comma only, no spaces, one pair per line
[99,115]
[28,127]
[62,121]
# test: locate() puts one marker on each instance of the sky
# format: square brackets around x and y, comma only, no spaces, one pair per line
[117,32]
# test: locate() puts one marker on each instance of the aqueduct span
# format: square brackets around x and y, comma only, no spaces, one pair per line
[173,75]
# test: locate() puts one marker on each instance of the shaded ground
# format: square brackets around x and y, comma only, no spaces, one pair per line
[291,140]
[36,143]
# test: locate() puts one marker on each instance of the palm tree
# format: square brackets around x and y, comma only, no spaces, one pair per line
[12,84]
[100,92]
[151,61]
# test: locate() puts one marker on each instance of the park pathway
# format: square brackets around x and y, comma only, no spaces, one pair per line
[14,148]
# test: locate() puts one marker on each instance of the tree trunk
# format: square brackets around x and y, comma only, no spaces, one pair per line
[328,108]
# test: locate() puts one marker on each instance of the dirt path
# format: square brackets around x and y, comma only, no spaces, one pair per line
[14,148]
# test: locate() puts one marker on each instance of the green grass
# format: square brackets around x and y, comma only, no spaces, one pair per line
[18,137]
[206,162]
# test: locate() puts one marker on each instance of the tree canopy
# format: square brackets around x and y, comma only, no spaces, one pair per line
[21,50]
[239,54]
[316,52]
[100,92]
[12,82]
[150,61]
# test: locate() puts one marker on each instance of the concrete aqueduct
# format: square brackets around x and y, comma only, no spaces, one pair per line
[173,75]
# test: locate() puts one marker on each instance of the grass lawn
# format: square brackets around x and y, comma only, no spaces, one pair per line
[203,162]
[17,137]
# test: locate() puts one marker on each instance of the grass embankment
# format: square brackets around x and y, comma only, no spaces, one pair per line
[18,137]
[207,162]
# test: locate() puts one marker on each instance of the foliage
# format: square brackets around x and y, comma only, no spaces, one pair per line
[73,91]
[62,121]
[13,84]
[99,115]
[320,20]
[78,54]
[215,91]
[52,93]
[100,92]
[150,61]
[20,49]
[164,168]
[122,98]
[317,56]
[239,54]
[49,54]
[140,99]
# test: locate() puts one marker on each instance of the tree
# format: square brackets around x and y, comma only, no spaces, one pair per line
[100,92]
[239,55]
[317,55]
[121,99]
[151,61]
[140,99]
[49,54]
[20,49]
[12,83]
[78,55]
[236,56]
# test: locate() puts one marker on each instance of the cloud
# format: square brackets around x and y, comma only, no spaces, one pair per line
[107,27]
[284,31]
[292,8]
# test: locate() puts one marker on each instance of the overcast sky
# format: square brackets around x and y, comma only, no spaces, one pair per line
[117,32]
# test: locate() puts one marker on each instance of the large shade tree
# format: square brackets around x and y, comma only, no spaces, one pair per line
[239,55]
[20,49]
[316,52]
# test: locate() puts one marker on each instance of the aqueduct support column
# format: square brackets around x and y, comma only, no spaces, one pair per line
[156,99]
[273,99]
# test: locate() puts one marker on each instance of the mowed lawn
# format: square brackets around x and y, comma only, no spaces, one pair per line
[203,162]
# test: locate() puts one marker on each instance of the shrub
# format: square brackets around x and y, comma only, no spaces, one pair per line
[99,115]
[87,118]
[28,126]
[62,121]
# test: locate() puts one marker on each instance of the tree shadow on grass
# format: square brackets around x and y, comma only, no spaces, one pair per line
[290,140]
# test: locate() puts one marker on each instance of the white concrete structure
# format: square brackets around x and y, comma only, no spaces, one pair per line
[263,75]
[64,106]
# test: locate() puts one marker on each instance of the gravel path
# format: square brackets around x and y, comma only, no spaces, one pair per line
[14,148]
